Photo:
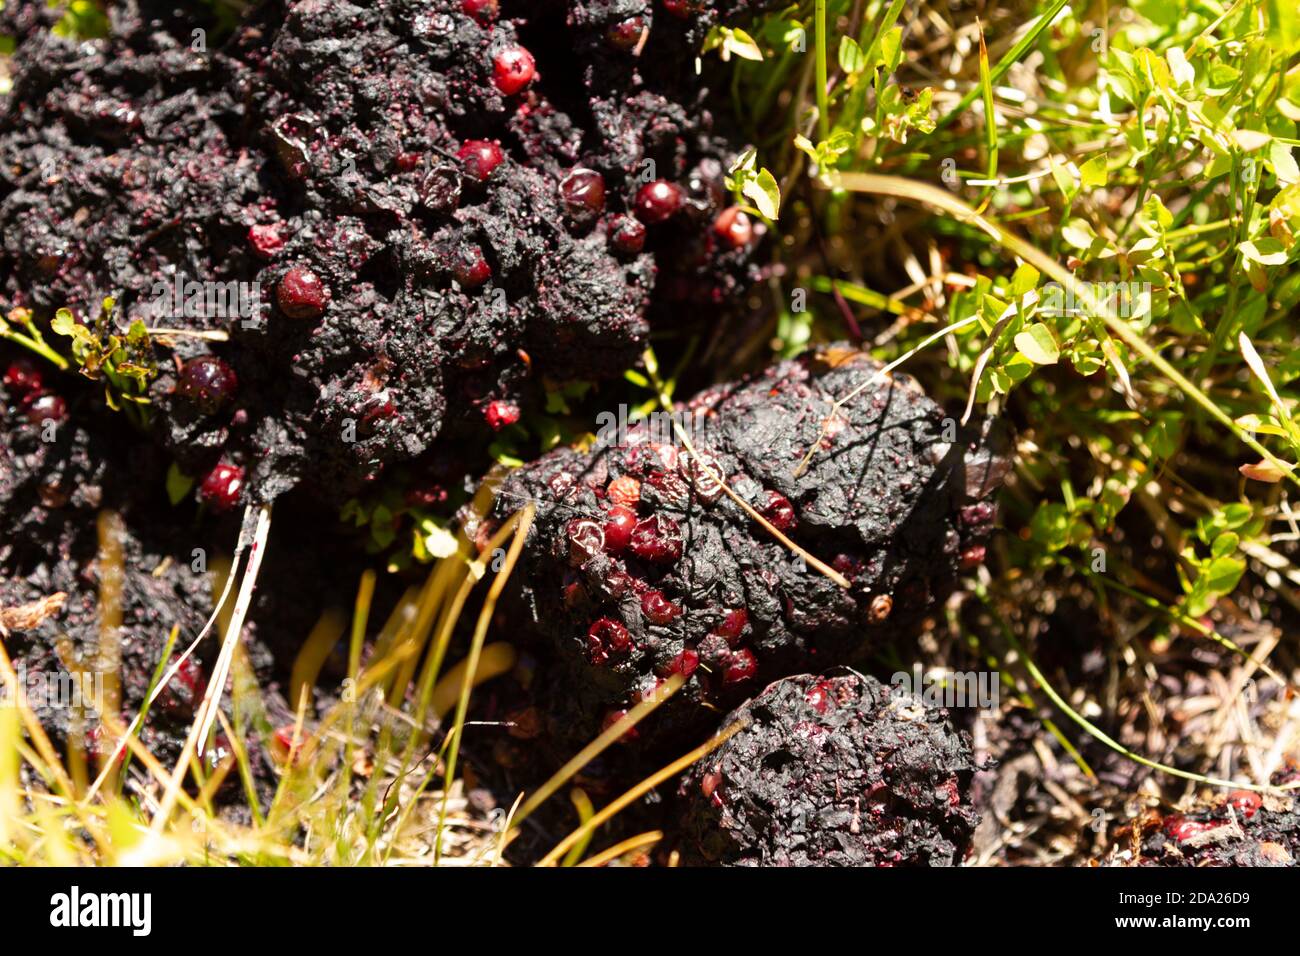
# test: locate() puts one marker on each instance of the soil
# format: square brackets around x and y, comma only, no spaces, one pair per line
[831,771]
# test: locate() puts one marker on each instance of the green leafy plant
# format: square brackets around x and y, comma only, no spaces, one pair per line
[125,363]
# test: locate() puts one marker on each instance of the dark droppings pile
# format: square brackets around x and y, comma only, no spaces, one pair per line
[831,771]
[640,566]
[421,208]
[404,216]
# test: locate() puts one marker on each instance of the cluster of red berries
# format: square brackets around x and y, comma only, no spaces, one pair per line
[644,567]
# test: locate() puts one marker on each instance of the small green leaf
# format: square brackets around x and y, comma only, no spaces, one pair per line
[63,322]
[1064,179]
[1283,162]
[1225,544]
[765,194]
[178,484]
[1093,172]
[1155,210]
[1024,280]
[1250,140]
[742,45]
[851,57]
[1266,251]
[1223,574]
[1182,72]
[1237,514]
[1037,344]
[1078,233]
[891,49]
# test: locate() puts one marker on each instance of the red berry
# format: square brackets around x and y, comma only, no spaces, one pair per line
[379,409]
[657,608]
[668,489]
[190,675]
[583,192]
[619,524]
[480,157]
[613,717]
[972,557]
[657,539]
[1245,802]
[586,540]
[267,240]
[427,496]
[500,414]
[779,511]
[685,663]
[617,583]
[471,269]
[733,625]
[207,382]
[23,377]
[741,665]
[484,11]
[683,9]
[626,34]
[733,227]
[283,737]
[222,487]
[709,787]
[819,697]
[627,235]
[1181,828]
[47,407]
[847,565]
[575,595]
[301,294]
[606,638]
[513,68]
[704,472]
[624,490]
[658,201]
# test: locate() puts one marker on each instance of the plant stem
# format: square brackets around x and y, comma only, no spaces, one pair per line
[40,348]
[823,104]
